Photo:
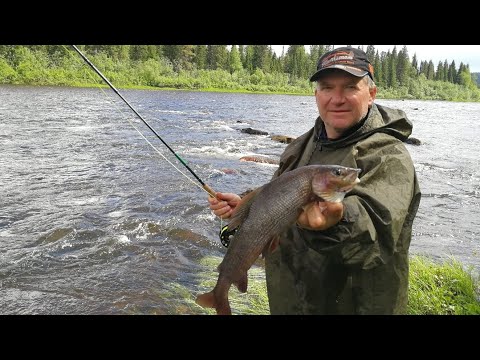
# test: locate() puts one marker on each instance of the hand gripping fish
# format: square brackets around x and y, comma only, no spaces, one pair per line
[264,214]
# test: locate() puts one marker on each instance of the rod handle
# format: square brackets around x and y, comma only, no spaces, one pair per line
[210,190]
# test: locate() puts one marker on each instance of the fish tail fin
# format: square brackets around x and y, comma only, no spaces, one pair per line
[223,307]
[210,300]
[242,283]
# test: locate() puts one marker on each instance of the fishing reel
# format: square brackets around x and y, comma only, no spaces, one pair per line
[226,235]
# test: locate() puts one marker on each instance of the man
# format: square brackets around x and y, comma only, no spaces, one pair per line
[349,257]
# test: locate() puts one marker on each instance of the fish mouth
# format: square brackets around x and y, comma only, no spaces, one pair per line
[350,186]
[353,176]
[352,179]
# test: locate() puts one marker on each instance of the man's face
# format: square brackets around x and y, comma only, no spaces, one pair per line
[342,100]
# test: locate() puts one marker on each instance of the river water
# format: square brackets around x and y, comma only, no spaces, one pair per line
[94,221]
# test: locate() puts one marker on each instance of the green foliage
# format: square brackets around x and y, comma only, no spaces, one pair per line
[7,74]
[252,68]
[297,62]
[217,57]
[446,289]
[201,56]
[153,72]
[434,289]
[476,78]
[421,88]
[234,61]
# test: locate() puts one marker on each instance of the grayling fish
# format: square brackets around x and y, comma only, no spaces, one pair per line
[265,213]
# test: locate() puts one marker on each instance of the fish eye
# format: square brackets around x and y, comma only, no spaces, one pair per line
[337,172]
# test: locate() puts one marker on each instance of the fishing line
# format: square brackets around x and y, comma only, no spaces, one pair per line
[204,186]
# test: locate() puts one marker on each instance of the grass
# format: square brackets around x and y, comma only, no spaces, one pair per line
[434,289]
[445,289]
[253,302]
[156,88]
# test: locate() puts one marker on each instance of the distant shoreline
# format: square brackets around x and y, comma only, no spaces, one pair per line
[215,90]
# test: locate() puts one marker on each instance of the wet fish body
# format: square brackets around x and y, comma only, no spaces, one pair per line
[264,214]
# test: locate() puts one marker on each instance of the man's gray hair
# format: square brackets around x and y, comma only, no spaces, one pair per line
[370,82]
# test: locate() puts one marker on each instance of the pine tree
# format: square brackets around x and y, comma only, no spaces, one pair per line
[424,68]
[217,57]
[392,74]
[296,61]
[201,57]
[458,78]
[143,52]
[439,72]
[234,61]
[276,64]
[377,68]
[370,53]
[385,80]
[172,53]
[187,55]
[430,70]
[452,71]
[241,51]
[402,66]
[445,70]
[313,58]
[260,55]
[415,71]
[249,59]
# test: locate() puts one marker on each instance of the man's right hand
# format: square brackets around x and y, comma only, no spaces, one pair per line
[224,204]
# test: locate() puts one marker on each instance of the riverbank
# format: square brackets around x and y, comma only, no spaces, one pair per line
[388,94]
[156,88]
[185,68]
[434,289]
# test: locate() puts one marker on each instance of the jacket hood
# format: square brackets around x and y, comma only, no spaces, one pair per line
[380,118]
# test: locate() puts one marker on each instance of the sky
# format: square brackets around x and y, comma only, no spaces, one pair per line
[468,54]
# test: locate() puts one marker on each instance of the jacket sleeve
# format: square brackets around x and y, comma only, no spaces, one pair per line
[375,210]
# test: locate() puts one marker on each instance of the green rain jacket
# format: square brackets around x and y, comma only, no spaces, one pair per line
[360,265]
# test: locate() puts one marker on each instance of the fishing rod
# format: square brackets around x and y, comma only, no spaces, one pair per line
[205,186]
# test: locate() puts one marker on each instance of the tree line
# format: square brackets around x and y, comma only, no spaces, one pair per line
[242,67]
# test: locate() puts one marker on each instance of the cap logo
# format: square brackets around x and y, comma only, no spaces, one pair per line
[341,57]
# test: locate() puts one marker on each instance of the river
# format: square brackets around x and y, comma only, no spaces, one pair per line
[94,221]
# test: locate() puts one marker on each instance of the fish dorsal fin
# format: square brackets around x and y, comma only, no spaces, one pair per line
[241,211]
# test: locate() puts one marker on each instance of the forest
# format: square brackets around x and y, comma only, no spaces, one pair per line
[238,68]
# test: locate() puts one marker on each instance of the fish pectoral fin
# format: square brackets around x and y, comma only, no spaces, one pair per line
[242,284]
[271,246]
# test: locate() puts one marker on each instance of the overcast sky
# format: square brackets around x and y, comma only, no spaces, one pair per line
[468,54]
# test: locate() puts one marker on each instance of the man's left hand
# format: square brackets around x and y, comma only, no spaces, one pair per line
[320,215]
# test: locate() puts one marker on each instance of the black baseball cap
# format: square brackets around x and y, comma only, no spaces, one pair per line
[349,59]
